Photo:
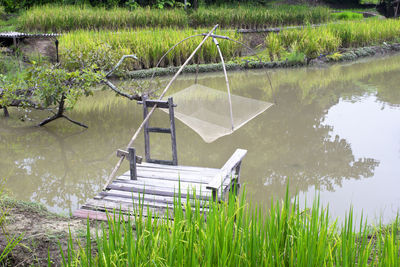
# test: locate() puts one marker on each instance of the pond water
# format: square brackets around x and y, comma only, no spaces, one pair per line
[335,130]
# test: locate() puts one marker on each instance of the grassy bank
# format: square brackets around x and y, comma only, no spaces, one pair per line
[105,48]
[237,234]
[65,18]
[313,42]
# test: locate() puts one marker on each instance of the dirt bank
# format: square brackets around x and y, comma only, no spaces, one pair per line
[42,231]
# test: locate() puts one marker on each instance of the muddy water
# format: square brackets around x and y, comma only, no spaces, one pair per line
[334,129]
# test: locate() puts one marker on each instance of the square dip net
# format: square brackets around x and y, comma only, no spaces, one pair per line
[207,111]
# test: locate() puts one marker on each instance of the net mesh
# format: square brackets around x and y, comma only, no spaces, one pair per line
[207,111]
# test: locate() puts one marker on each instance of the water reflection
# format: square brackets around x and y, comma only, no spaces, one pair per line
[324,132]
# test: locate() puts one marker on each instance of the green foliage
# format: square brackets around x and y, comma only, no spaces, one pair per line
[105,48]
[335,56]
[44,86]
[347,15]
[273,45]
[235,234]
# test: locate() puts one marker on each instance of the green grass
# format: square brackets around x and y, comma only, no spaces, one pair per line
[58,18]
[105,48]
[237,234]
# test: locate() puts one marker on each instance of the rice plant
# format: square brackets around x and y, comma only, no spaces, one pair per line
[59,18]
[329,38]
[258,17]
[347,15]
[105,48]
[237,234]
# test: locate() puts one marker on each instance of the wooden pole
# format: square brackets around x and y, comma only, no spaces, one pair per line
[118,165]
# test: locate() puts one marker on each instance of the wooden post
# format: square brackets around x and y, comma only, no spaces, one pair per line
[56,43]
[173,134]
[132,163]
[215,195]
[15,42]
[237,180]
[146,132]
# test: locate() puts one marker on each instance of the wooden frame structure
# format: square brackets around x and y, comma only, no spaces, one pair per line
[169,104]
[157,187]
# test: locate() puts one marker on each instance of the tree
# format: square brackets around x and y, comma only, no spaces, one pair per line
[48,88]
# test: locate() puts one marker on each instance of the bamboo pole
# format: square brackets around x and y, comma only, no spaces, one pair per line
[118,165]
[226,80]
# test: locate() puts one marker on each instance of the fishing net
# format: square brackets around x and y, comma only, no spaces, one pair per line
[207,111]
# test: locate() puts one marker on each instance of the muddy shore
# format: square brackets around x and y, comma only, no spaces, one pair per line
[43,232]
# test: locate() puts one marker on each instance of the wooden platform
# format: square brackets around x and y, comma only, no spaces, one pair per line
[157,185]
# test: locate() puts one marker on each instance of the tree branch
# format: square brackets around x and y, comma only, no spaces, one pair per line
[49,119]
[119,92]
[75,122]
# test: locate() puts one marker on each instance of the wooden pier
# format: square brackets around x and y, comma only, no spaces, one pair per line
[157,185]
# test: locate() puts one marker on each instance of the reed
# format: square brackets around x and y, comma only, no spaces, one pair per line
[59,18]
[235,234]
[105,48]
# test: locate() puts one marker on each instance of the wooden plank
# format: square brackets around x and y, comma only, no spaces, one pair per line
[159,161]
[156,191]
[176,173]
[158,130]
[227,169]
[98,215]
[173,191]
[124,153]
[128,196]
[178,167]
[168,185]
[151,203]
[102,205]
[188,178]
[151,103]
[182,173]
